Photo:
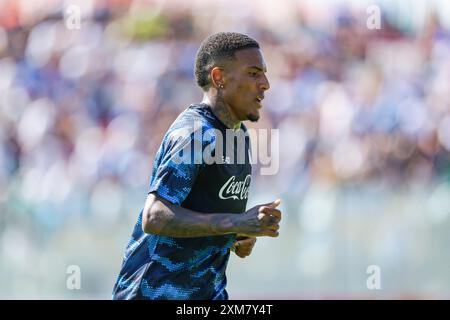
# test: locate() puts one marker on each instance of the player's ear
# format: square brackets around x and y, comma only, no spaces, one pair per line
[217,77]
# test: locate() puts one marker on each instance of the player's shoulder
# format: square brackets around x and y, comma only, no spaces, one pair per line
[191,123]
[195,116]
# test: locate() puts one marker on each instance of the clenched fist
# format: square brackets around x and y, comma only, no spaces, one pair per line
[243,246]
[261,220]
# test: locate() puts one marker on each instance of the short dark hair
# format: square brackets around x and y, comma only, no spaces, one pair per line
[215,49]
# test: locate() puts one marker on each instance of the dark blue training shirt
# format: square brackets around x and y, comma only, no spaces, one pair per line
[162,267]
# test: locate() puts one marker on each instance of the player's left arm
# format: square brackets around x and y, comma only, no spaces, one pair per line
[243,246]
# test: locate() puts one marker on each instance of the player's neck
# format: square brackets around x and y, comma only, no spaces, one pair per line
[222,111]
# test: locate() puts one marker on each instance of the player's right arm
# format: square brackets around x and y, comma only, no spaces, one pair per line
[165,218]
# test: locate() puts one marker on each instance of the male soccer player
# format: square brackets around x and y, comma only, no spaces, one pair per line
[195,212]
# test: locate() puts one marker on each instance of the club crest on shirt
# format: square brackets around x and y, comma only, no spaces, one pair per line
[235,189]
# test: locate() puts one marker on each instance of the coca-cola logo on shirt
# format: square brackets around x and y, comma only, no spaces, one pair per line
[235,189]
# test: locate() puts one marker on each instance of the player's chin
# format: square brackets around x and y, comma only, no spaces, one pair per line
[253,117]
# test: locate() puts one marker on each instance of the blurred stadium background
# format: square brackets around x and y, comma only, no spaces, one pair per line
[364,120]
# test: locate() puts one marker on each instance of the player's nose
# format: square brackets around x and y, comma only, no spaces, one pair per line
[265,85]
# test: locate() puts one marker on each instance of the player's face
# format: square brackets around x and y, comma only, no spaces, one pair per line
[246,84]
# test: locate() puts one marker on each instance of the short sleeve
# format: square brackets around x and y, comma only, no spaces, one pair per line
[178,162]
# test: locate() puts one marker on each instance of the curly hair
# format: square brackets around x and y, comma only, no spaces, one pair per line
[216,49]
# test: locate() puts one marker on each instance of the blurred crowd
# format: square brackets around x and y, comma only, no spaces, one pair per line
[83,108]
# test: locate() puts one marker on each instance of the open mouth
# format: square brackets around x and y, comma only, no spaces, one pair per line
[258,100]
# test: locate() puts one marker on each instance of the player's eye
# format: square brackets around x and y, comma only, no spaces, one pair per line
[253,74]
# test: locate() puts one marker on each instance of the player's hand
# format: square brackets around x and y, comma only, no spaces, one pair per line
[261,220]
[243,246]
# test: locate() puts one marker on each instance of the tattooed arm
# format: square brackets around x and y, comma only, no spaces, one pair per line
[164,218]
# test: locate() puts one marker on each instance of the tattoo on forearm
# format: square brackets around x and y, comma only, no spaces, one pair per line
[187,225]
